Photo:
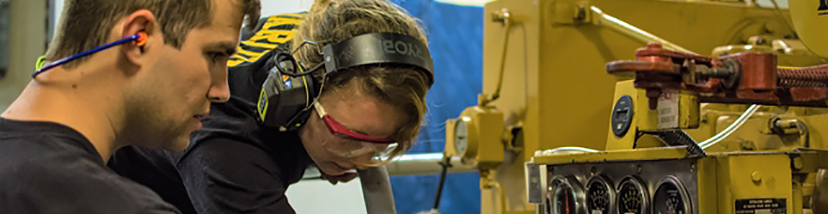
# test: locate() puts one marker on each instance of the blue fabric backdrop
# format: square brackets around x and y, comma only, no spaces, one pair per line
[455,36]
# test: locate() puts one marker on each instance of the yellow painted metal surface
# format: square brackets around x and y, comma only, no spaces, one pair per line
[555,85]
[809,19]
[753,176]
[662,153]
[724,178]
[707,176]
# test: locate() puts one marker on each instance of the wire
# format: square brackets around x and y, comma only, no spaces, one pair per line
[779,12]
[572,149]
[730,129]
[60,62]
[446,163]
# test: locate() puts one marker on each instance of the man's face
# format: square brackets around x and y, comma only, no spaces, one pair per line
[181,84]
[358,112]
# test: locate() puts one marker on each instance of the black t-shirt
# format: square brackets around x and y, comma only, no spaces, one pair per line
[50,168]
[233,164]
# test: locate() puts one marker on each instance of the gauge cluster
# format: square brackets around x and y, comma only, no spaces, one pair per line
[653,187]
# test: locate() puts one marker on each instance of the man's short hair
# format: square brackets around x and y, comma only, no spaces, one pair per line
[86,24]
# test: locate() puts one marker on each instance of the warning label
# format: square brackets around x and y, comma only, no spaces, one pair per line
[761,206]
[668,109]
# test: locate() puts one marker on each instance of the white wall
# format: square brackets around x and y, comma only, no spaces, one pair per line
[271,7]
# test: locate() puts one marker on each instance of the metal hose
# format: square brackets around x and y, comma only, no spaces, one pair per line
[730,129]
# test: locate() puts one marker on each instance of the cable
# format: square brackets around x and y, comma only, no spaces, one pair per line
[573,149]
[779,13]
[140,38]
[730,129]
[446,163]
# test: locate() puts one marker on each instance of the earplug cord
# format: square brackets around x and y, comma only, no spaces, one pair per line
[140,39]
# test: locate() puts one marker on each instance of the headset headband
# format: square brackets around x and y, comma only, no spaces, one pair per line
[379,48]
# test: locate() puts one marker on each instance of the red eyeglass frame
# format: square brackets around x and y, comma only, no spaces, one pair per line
[338,129]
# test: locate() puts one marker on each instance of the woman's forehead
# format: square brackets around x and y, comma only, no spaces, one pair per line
[363,113]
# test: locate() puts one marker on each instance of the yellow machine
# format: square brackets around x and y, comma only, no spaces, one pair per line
[555,133]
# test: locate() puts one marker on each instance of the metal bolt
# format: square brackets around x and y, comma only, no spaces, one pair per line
[639,169]
[798,164]
[756,177]
[692,167]
[580,13]
[501,16]
[592,171]
[747,145]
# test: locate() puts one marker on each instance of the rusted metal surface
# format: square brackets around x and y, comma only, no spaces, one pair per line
[749,77]
[816,76]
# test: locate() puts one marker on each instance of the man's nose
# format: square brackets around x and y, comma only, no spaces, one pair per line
[219,90]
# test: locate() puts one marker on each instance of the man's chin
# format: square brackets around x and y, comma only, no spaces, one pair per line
[178,145]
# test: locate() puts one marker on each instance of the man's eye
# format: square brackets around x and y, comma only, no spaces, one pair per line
[215,56]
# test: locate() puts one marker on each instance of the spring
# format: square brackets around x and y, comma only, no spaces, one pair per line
[816,76]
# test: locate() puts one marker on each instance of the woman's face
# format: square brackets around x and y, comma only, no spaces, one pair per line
[356,111]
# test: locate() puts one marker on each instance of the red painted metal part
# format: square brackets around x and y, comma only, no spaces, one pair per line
[758,80]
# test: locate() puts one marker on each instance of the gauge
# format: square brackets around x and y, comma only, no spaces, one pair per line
[632,197]
[461,135]
[671,198]
[567,196]
[599,196]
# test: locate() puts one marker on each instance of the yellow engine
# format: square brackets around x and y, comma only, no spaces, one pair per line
[580,115]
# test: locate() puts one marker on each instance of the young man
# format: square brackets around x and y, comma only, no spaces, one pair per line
[238,165]
[58,134]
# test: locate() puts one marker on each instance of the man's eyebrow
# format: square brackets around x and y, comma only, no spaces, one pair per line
[228,48]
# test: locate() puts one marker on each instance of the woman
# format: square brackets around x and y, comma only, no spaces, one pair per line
[237,165]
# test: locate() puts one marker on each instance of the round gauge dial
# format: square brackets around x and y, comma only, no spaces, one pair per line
[632,198]
[599,196]
[670,198]
[564,200]
[461,136]
[567,197]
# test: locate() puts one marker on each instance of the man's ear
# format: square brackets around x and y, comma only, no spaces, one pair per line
[143,23]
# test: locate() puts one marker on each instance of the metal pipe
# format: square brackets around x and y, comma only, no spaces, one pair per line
[504,17]
[376,190]
[602,19]
[425,163]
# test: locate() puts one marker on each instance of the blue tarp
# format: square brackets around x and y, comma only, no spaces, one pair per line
[455,36]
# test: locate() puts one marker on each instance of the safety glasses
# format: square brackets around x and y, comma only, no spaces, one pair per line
[363,149]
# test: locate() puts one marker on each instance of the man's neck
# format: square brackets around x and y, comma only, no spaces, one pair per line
[78,103]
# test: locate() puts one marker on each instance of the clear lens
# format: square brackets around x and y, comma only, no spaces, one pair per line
[363,153]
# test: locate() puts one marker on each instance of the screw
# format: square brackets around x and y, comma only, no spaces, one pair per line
[755,176]
[639,169]
[692,167]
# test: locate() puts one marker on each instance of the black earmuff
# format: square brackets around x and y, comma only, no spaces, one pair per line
[290,89]
[286,94]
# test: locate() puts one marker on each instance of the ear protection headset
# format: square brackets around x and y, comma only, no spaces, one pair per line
[289,91]
[139,38]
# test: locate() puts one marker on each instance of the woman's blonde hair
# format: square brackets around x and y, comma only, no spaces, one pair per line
[332,21]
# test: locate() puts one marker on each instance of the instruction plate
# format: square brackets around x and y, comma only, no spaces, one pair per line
[761,206]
